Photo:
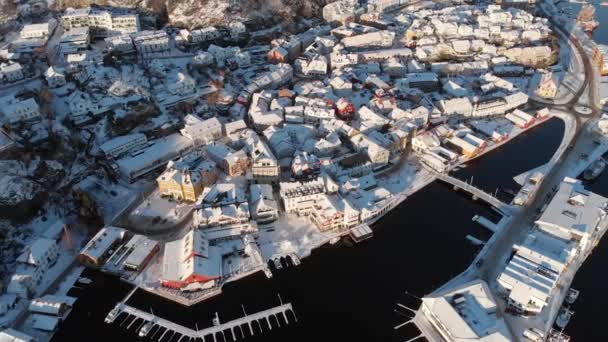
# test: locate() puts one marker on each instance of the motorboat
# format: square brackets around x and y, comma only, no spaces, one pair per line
[572,295]
[563,317]
[594,169]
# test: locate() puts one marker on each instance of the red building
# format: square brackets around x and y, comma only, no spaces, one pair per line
[345,110]
[191,263]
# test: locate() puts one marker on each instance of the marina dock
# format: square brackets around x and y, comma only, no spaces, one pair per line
[361,232]
[145,322]
[484,222]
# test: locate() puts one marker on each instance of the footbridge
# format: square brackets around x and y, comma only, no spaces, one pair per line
[500,206]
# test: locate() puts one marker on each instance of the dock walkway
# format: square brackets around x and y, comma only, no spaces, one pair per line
[207,334]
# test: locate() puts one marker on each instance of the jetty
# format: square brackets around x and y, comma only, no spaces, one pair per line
[147,321]
[484,222]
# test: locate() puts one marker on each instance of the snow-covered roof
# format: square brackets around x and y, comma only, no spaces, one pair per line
[12,335]
[191,259]
[468,313]
[102,242]
[36,252]
[122,140]
[574,210]
[44,322]
[163,150]
[142,248]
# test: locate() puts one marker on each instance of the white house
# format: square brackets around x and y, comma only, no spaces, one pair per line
[35,31]
[201,131]
[262,205]
[151,41]
[11,72]
[21,111]
[54,77]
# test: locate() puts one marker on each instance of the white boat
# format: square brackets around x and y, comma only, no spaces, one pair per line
[594,169]
[85,280]
[216,320]
[557,336]
[563,318]
[112,315]
[145,330]
[572,295]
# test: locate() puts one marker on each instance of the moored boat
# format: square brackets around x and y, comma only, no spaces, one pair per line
[563,318]
[594,170]
[572,295]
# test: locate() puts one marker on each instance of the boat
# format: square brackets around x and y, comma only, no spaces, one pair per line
[563,318]
[572,295]
[145,330]
[594,169]
[557,336]
[112,315]
[85,280]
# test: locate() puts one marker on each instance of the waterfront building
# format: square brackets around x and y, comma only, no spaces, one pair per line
[330,213]
[191,263]
[141,250]
[463,146]
[574,213]
[465,313]
[434,161]
[528,285]
[425,141]
[97,250]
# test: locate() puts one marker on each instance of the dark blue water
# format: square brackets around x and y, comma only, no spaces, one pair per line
[345,292]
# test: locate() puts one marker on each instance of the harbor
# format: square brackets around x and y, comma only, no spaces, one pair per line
[390,233]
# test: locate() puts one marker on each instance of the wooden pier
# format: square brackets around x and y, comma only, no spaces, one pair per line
[234,329]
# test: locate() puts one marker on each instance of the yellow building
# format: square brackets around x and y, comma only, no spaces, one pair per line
[182,185]
[547,87]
